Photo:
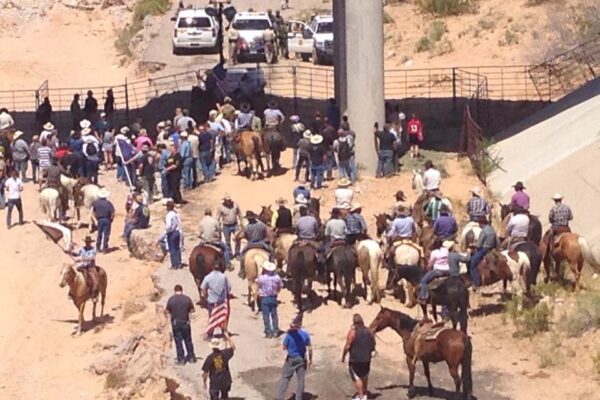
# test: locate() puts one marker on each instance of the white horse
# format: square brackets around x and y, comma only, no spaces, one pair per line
[469,235]
[370,257]
[417,182]
[90,193]
[50,203]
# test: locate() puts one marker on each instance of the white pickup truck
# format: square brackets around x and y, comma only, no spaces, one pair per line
[312,40]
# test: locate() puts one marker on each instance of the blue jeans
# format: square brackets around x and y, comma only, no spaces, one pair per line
[428,277]
[182,334]
[174,243]
[207,165]
[21,167]
[384,166]
[103,233]
[268,307]
[120,170]
[229,230]
[11,204]
[316,176]
[345,170]
[330,164]
[188,174]
[164,186]
[475,260]
[127,230]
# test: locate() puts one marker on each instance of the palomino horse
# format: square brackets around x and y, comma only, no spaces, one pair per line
[80,293]
[50,203]
[253,260]
[250,148]
[84,195]
[370,257]
[274,144]
[341,263]
[452,346]
[203,259]
[281,248]
[572,248]
[303,265]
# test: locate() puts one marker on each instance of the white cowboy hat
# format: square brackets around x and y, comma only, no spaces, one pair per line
[84,123]
[17,134]
[103,193]
[183,134]
[86,131]
[557,196]
[344,182]
[268,266]
[294,118]
[48,126]
[167,201]
[355,206]
[215,343]
[124,130]
[448,244]
[160,125]
[102,114]
[316,139]
[226,196]
[307,134]
[300,199]
[213,113]
[476,191]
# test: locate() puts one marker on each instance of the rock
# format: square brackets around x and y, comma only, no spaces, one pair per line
[129,346]
[104,364]
[144,364]
[144,246]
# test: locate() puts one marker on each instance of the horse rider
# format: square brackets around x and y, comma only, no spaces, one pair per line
[51,177]
[87,265]
[301,190]
[437,267]
[243,122]
[335,233]
[477,206]
[435,204]
[559,216]
[256,234]
[299,203]
[356,226]
[487,242]
[518,227]
[211,233]
[273,116]
[401,201]
[445,226]
[519,198]
[282,218]
[343,195]
[432,178]
[230,216]
[403,228]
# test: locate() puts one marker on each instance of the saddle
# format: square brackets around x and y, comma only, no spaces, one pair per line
[425,331]
[333,245]
[282,231]
[397,242]
[214,247]
[437,282]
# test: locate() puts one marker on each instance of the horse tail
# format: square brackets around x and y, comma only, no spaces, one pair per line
[374,266]
[588,255]
[466,370]
[256,143]
[298,278]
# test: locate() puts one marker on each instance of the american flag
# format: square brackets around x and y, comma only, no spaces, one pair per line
[218,318]
[220,74]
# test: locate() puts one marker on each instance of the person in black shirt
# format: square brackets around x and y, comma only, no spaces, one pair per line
[360,343]
[283,223]
[91,107]
[173,169]
[179,306]
[385,152]
[76,114]
[140,219]
[317,161]
[329,134]
[109,105]
[206,159]
[216,368]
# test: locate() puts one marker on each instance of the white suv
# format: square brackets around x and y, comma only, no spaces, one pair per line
[194,29]
[322,27]
[251,26]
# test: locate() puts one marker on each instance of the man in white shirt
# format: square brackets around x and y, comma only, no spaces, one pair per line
[518,227]
[343,195]
[13,187]
[273,115]
[172,234]
[6,121]
[91,148]
[211,232]
[432,178]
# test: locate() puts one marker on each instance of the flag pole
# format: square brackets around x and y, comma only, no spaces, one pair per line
[125,167]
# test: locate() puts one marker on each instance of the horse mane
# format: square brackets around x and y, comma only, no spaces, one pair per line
[405,321]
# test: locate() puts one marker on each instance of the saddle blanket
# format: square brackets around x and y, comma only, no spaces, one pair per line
[400,242]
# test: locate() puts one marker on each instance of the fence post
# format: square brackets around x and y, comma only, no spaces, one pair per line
[454,89]
[294,82]
[126,102]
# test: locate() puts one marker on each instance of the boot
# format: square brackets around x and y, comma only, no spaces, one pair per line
[242,272]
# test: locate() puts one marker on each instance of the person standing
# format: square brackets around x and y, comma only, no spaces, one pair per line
[180,306]
[360,343]
[520,198]
[206,162]
[215,289]
[195,149]
[172,234]
[269,286]
[303,160]
[230,216]
[109,105]
[216,368]
[91,150]
[35,164]
[20,155]
[317,161]
[297,345]
[344,148]
[173,173]
[333,113]
[2,180]
[90,107]
[185,150]
[415,135]
[13,186]
[384,139]
[104,214]
[76,113]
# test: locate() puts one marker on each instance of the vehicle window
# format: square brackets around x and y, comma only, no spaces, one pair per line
[325,27]
[194,22]
[251,24]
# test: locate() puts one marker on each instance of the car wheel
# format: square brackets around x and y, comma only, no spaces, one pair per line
[176,51]
[305,57]
[315,57]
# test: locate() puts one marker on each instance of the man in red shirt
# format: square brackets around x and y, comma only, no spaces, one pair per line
[415,135]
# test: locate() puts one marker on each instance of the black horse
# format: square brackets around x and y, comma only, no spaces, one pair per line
[450,292]
[341,263]
[274,145]
[302,266]
[535,261]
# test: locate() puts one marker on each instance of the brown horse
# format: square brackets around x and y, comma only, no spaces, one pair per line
[302,267]
[80,292]
[250,147]
[203,259]
[493,268]
[450,345]
[569,247]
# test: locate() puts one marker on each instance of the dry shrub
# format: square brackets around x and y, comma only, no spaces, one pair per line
[132,307]
[529,321]
[584,317]
[115,379]
[444,8]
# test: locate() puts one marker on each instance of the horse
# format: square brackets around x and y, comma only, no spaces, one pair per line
[405,255]
[50,203]
[528,268]
[452,346]
[250,148]
[314,207]
[493,268]
[382,222]
[426,237]
[303,265]
[265,215]
[535,225]
[253,260]
[370,257]
[203,259]
[281,247]
[418,209]
[84,195]
[341,262]
[469,235]
[79,291]
[568,247]
[417,182]
[274,144]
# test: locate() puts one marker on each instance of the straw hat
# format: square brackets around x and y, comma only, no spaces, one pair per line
[103,193]
[344,182]
[476,191]
[250,215]
[307,134]
[557,197]
[268,266]
[215,343]
[448,244]
[124,130]
[84,123]
[48,126]
[17,135]
[355,206]
[316,139]
[300,199]
[226,196]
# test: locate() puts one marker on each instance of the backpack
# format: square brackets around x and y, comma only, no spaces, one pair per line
[344,151]
[91,149]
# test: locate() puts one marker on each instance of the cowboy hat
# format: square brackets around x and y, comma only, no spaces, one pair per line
[48,126]
[557,196]
[250,215]
[167,201]
[124,130]
[84,123]
[103,193]
[17,134]
[213,113]
[307,134]
[272,104]
[295,118]
[88,238]
[215,343]
[160,125]
[245,107]
[476,191]
[316,139]
[280,201]
[344,182]
[355,206]
[227,99]
[226,196]
[268,266]
[85,131]
[448,244]
[519,185]
[300,199]
[183,134]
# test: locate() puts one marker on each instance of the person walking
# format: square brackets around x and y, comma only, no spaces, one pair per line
[104,214]
[20,155]
[415,135]
[304,153]
[173,173]
[297,345]
[214,289]
[216,368]
[179,306]
[360,344]
[230,216]
[384,140]
[172,234]
[269,286]
[13,186]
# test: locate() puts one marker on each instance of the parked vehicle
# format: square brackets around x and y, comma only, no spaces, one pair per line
[312,40]
[194,29]
[300,40]
[251,26]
